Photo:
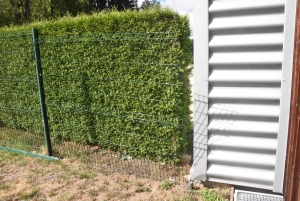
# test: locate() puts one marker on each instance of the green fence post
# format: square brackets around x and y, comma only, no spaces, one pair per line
[37,56]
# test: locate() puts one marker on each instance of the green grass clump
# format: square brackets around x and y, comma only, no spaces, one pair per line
[29,194]
[165,185]
[210,195]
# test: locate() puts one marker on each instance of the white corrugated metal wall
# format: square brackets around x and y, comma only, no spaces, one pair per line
[238,84]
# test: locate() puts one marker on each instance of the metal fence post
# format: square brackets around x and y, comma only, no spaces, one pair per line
[37,56]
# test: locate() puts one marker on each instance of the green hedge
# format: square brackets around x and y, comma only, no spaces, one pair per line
[114,79]
[19,100]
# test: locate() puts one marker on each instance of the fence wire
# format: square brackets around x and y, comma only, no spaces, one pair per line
[102,91]
[21,125]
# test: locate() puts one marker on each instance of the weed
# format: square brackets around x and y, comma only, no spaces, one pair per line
[21,162]
[139,184]
[187,197]
[82,186]
[123,195]
[72,159]
[66,197]
[93,193]
[86,175]
[63,166]
[72,172]
[125,180]
[103,188]
[105,173]
[110,194]
[16,182]
[105,182]
[165,185]
[209,195]
[124,184]
[52,193]
[4,187]
[84,158]
[142,189]
[30,194]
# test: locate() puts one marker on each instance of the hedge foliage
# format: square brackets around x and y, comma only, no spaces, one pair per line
[19,100]
[115,79]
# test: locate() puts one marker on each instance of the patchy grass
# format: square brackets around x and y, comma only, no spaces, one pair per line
[93,193]
[103,188]
[4,187]
[211,195]
[165,185]
[52,193]
[27,178]
[30,194]
[140,188]
[105,182]
[86,175]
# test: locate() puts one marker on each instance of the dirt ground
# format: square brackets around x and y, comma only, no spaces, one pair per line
[27,178]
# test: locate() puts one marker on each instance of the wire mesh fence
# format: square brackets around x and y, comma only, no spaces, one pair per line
[21,127]
[107,103]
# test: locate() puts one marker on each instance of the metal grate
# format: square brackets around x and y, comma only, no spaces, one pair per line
[253,196]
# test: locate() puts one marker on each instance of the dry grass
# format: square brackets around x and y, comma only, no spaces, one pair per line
[90,173]
[26,178]
[97,157]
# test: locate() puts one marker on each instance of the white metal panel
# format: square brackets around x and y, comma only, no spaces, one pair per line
[263,178]
[287,66]
[244,5]
[221,58]
[256,76]
[248,44]
[242,158]
[233,142]
[236,40]
[245,93]
[200,93]
[244,110]
[252,21]
[236,126]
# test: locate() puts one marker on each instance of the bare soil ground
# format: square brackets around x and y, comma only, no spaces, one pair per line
[27,178]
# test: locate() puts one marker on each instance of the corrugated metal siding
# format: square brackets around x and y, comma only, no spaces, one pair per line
[292,171]
[245,63]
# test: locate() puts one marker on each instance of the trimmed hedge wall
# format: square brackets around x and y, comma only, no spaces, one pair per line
[19,99]
[118,80]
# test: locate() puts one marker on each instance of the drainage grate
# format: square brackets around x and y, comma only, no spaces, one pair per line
[253,196]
